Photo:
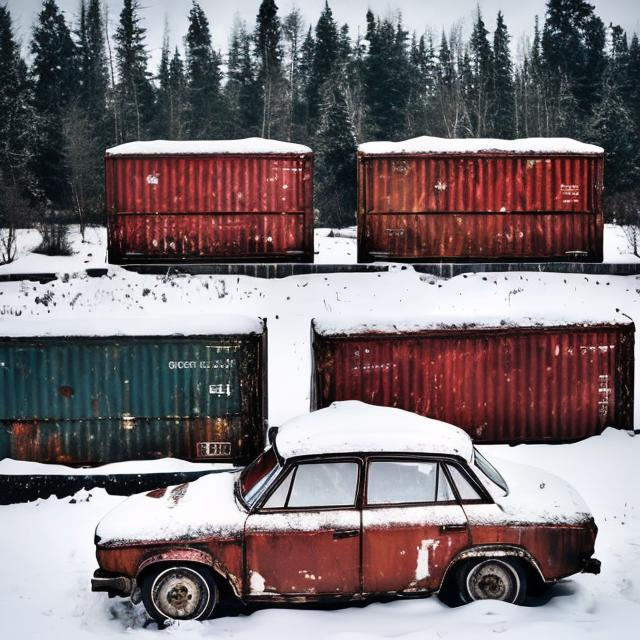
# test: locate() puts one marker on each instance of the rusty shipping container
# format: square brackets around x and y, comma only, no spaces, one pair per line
[502,383]
[197,393]
[433,199]
[233,200]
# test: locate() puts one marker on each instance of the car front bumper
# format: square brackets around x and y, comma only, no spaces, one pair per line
[591,565]
[114,585]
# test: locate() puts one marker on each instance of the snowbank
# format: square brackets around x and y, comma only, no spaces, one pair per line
[354,325]
[352,426]
[99,325]
[205,147]
[429,144]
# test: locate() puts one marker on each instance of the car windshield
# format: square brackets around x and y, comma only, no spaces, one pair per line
[256,477]
[488,471]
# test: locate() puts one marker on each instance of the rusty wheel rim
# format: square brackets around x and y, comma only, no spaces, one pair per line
[180,593]
[493,580]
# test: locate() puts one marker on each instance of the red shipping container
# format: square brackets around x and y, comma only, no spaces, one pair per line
[502,383]
[228,200]
[434,199]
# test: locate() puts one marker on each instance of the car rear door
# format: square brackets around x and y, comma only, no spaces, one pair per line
[412,525]
[305,539]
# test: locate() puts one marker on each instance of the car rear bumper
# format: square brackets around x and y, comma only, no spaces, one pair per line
[114,585]
[591,565]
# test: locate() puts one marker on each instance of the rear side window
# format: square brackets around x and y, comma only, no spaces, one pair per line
[465,488]
[406,482]
[319,484]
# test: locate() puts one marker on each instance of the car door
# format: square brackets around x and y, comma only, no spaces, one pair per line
[412,525]
[305,538]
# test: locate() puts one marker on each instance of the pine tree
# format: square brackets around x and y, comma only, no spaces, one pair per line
[633,73]
[479,85]
[335,192]
[503,95]
[270,77]
[161,125]
[54,71]
[135,98]
[18,186]
[612,128]
[205,106]
[177,98]
[325,57]
[306,77]
[293,29]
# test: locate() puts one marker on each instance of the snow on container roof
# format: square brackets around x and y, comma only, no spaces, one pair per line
[206,147]
[97,325]
[429,144]
[352,426]
[355,325]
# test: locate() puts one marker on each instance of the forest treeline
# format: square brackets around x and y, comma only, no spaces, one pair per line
[89,84]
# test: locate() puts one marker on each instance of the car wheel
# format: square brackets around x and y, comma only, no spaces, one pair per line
[179,592]
[492,579]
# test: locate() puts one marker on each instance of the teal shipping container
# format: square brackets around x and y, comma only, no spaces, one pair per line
[194,389]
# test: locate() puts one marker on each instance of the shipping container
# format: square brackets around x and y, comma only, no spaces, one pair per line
[194,389]
[511,382]
[433,199]
[232,200]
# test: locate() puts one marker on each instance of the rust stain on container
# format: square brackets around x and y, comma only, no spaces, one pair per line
[222,207]
[480,206]
[501,384]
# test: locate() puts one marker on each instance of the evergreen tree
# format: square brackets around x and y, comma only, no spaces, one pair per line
[270,78]
[612,128]
[205,106]
[177,98]
[293,29]
[135,99]
[306,77]
[325,57]
[503,95]
[386,78]
[161,126]
[335,193]
[633,74]
[17,184]
[54,73]
[480,81]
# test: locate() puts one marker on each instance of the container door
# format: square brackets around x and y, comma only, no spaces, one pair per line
[306,539]
[412,526]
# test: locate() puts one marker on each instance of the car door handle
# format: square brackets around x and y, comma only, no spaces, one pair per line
[349,533]
[444,528]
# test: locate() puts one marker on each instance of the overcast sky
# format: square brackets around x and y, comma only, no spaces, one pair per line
[419,15]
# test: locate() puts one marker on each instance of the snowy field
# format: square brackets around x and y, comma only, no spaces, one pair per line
[46,547]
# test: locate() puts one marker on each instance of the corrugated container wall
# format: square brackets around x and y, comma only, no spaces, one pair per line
[502,385]
[87,401]
[225,207]
[480,206]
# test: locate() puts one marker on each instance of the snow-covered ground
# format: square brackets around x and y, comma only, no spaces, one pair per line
[46,554]
[46,550]
[332,246]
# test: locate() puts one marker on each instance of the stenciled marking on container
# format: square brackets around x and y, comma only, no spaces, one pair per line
[153,178]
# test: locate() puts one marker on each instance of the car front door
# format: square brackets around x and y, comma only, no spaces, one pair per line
[412,526]
[305,539]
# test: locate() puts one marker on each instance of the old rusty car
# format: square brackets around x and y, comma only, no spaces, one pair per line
[349,502]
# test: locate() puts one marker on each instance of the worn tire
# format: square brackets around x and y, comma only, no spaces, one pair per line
[492,579]
[179,592]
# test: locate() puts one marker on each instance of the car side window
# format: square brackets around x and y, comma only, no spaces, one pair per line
[406,482]
[465,488]
[323,484]
[278,498]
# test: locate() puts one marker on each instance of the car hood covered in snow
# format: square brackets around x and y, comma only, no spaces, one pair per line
[203,508]
[535,497]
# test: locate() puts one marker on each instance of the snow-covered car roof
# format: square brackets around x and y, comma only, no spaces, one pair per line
[430,144]
[354,324]
[352,426]
[206,147]
[99,325]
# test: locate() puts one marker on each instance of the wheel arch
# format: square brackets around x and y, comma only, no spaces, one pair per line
[494,551]
[191,556]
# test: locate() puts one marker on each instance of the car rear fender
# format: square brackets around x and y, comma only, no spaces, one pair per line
[193,556]
[494,551]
